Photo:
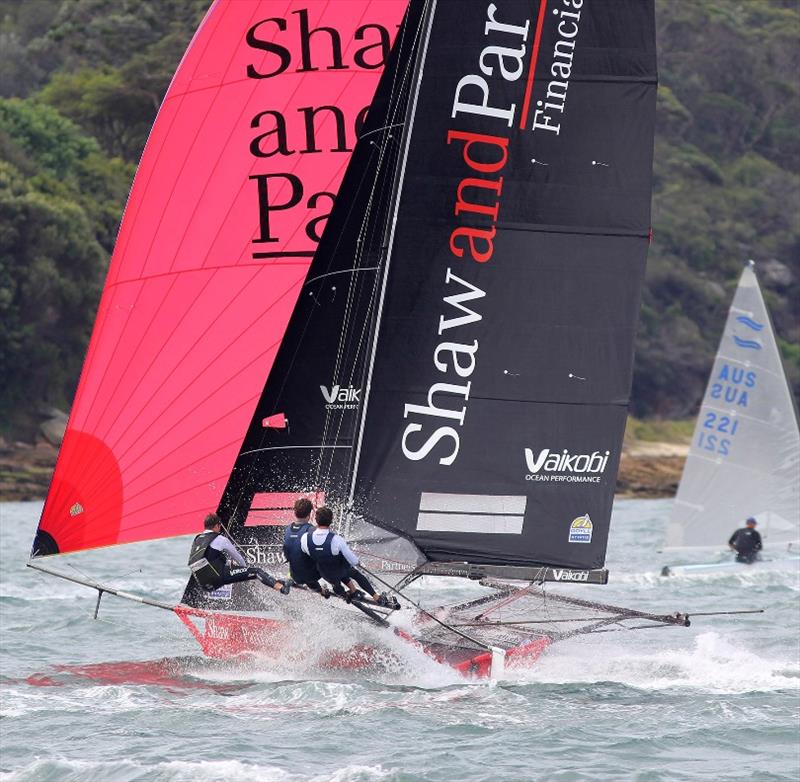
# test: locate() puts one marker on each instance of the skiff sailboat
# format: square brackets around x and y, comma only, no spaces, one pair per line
[448,364]
[744,459]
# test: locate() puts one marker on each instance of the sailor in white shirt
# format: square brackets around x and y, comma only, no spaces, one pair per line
[336,561]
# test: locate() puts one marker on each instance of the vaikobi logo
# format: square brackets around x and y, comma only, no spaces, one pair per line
[571,575]
[340,397]
[557,467]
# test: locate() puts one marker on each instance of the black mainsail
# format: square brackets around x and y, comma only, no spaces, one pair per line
[461,357]
[502,370]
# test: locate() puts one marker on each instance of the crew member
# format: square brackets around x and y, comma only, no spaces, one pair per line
[336,562]
[746,542]
[302,568]
[208,561]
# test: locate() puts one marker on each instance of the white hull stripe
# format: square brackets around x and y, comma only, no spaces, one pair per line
[486,514]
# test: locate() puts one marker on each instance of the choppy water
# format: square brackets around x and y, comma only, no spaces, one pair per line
[128,697]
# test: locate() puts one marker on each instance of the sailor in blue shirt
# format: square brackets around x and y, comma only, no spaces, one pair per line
[302,568]
[336,562]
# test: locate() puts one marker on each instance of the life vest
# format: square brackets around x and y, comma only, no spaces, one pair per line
[746,541]
[332,567]
[206,563]
[301,567]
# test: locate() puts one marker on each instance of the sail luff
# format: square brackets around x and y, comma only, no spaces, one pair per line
[392,226]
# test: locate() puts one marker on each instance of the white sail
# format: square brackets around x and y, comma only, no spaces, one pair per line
[745,454]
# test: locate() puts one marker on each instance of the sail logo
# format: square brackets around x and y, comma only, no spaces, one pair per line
[552,466]
[570,575]
[580,530]
[291,211]
[341,397]
[752,344]
[750,323]
[76,509]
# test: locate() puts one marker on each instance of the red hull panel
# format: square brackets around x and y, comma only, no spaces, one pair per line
[228,635]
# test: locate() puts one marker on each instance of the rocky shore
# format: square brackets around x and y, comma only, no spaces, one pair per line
[647,469]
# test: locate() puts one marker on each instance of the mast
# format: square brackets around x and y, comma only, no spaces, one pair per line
[419,64]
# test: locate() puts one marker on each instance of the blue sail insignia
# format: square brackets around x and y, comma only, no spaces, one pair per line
[747,343]
[750,323]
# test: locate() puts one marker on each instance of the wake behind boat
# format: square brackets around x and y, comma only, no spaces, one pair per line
[451,373]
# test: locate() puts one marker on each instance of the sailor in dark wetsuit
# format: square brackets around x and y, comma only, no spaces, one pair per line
[302,568]
[336,562]
[746,542]
[208,561]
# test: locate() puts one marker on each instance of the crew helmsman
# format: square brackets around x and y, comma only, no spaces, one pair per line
[208,560]
[746,542]
[302,568]
[336,562]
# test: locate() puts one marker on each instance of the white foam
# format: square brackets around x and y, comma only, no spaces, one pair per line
[712,664]
[185,771]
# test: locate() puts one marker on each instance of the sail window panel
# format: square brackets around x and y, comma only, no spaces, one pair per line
[485,524]
[472,503]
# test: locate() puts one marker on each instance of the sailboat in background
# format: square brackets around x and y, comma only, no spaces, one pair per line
[452,370]
[744,460]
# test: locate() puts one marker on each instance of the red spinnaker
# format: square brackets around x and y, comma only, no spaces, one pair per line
[230,198]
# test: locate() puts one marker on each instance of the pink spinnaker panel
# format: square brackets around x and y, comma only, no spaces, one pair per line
[197,300]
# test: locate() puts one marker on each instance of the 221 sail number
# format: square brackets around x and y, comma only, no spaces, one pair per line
[713,442]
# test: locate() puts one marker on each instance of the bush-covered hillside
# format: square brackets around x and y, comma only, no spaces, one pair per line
[81,81]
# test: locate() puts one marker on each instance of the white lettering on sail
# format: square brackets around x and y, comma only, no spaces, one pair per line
[547,461]
[339,398]
[460,357]
[472,91]
[547,111]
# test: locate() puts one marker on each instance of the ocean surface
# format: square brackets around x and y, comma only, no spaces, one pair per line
[129,697]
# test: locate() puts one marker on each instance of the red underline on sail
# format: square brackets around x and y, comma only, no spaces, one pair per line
[523,119]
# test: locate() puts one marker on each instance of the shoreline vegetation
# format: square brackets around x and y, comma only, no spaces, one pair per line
[653,454]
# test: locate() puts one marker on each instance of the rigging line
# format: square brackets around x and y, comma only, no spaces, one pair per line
[247,480]
[411,113]
[532,622]
[390,183]
[509,599]
[378,130]
[354,270]
[367,168]
[395,100]
[291,447]
[427,613]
